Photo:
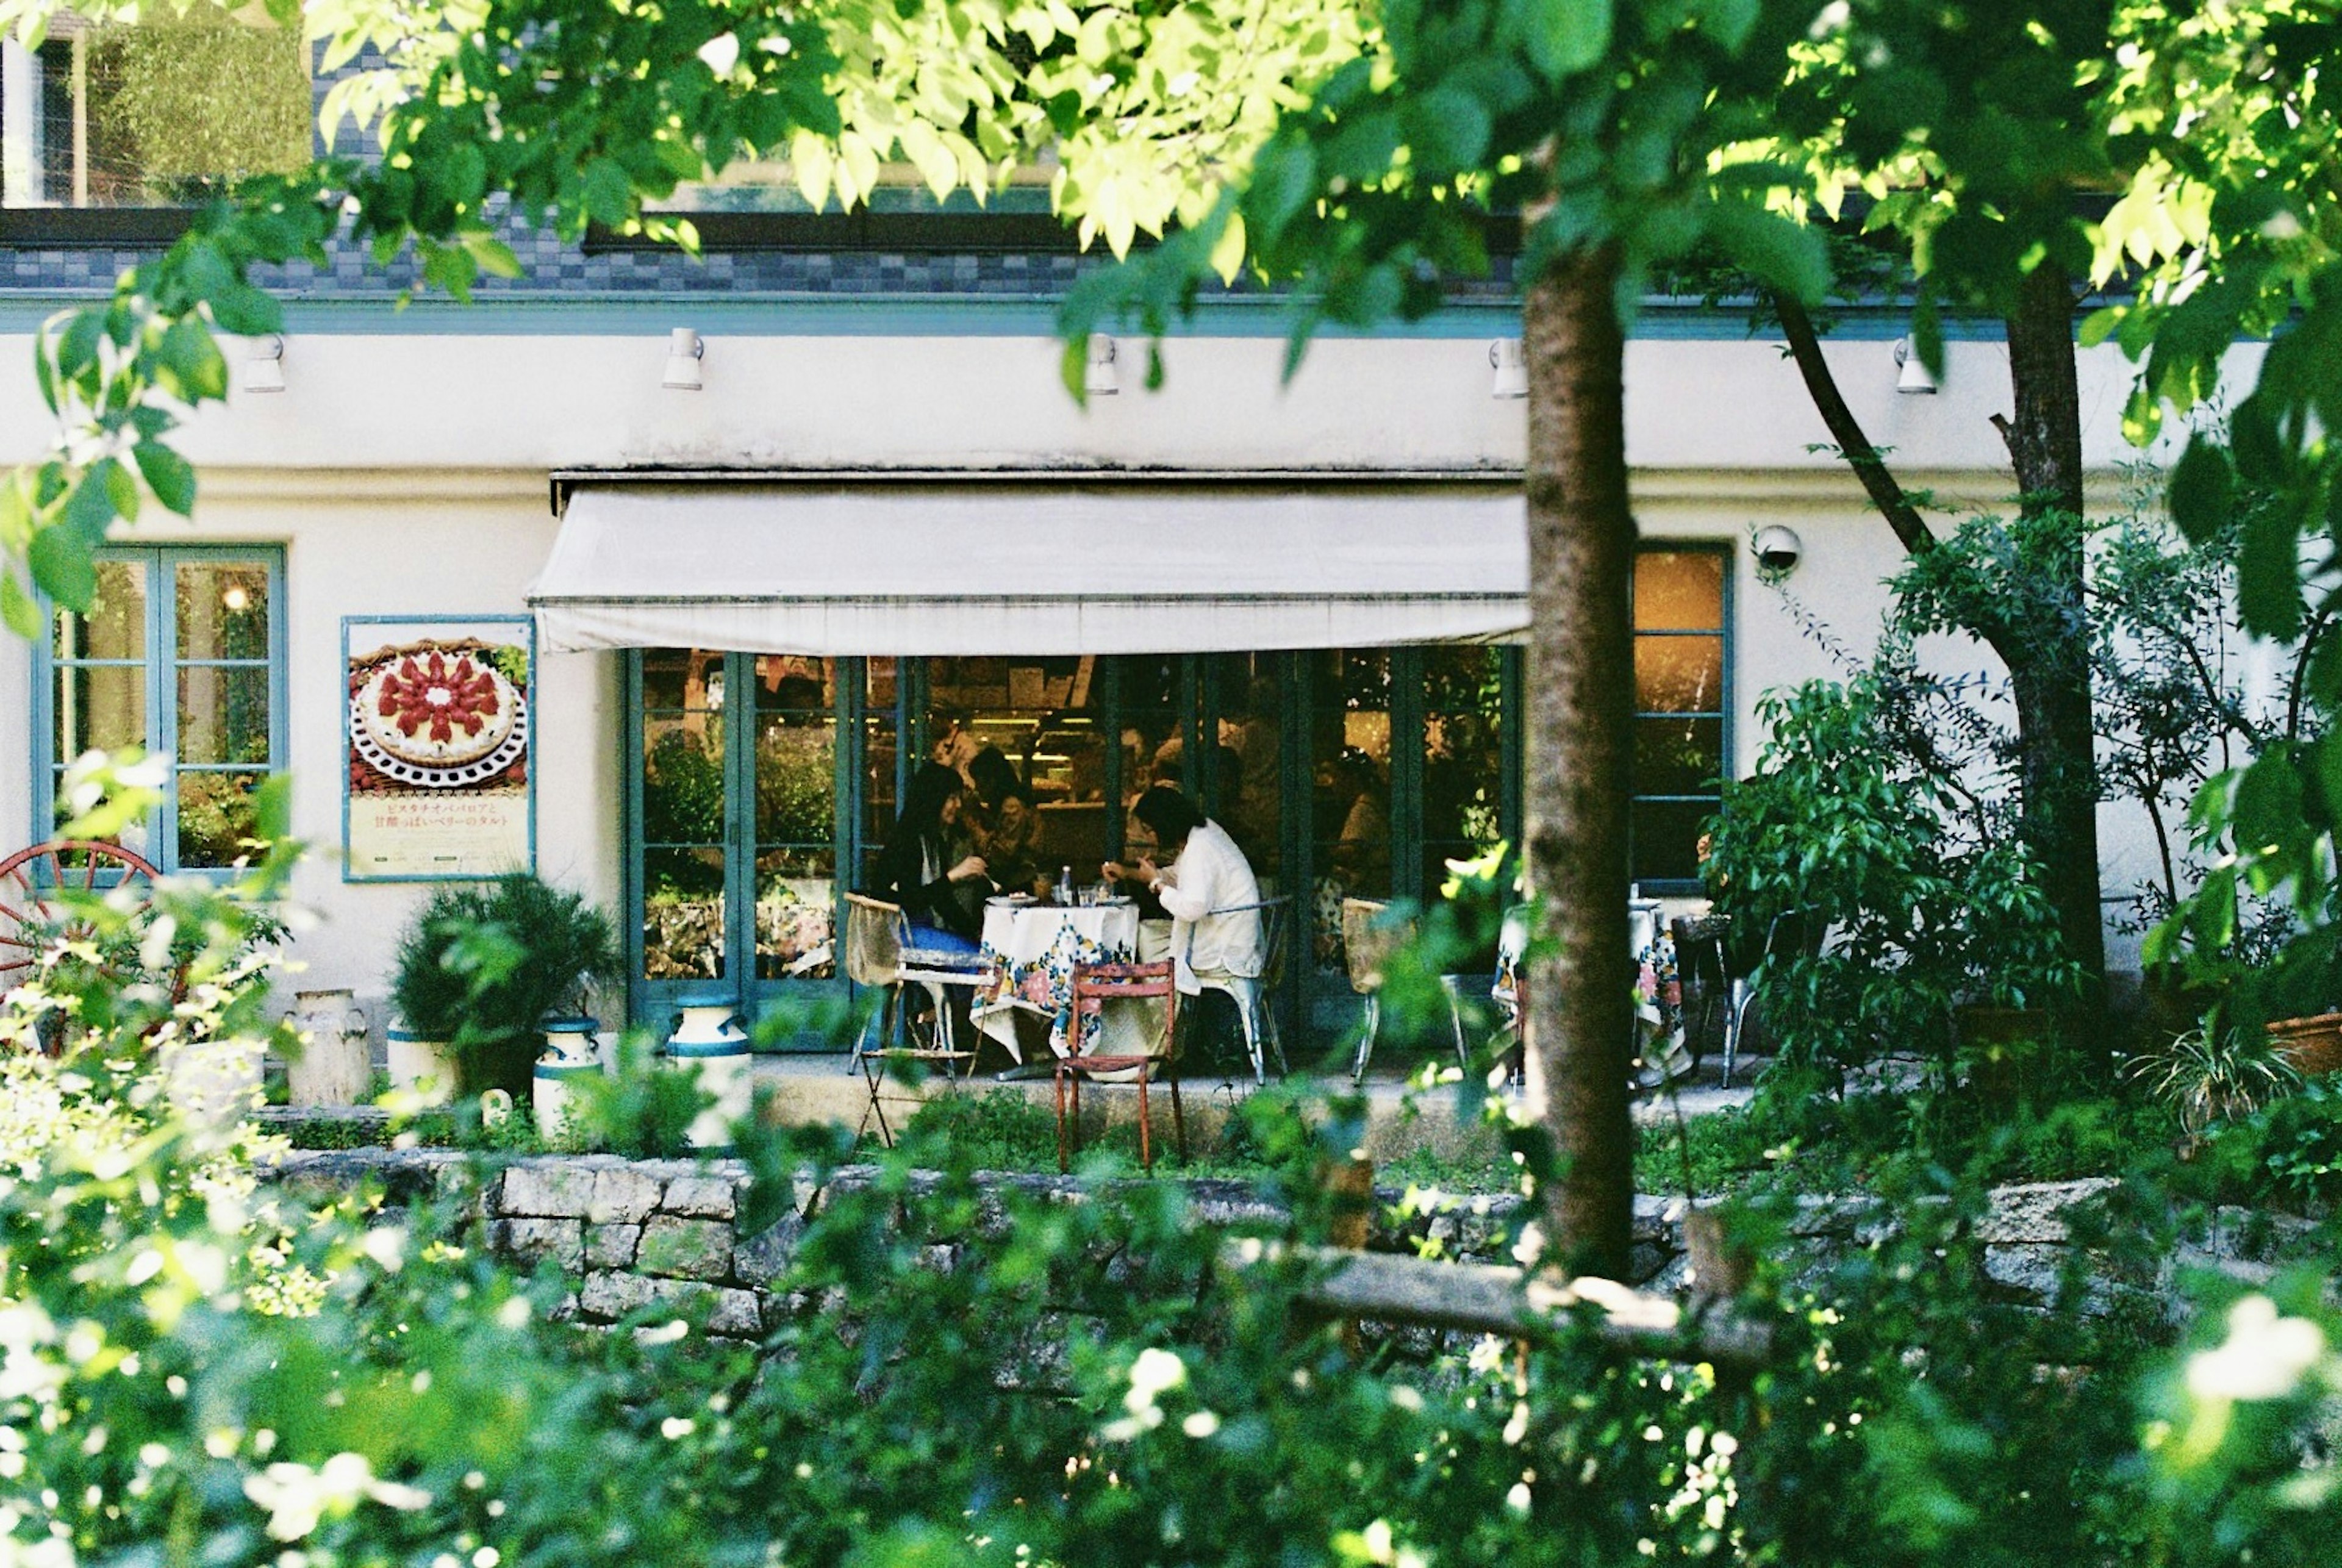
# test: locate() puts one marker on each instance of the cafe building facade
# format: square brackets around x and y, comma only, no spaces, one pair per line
[714,602]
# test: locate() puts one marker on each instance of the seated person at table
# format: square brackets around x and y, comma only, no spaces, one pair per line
[929,867]
[1206,890]
[1009,838]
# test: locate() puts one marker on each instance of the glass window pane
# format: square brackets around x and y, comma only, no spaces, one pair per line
[1666,839]
[115,626]
[102,705]
[682,779]
[215,816]
[1028,734]
[1150,739]
[222,608]
[796,777]
[1677,756]
[1349,763]
[1250,780]
[796,906]
[683,914]
[683,678]
[794,683]
[224,715]
[1679,590]
[1679,674]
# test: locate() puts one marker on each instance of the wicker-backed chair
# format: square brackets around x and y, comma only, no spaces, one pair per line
[1094,985]
[1369,937]
[876,955]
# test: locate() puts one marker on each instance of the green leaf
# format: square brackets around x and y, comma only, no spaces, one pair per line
[609,192]
[170,476]
[62,566]
[1788,255]
[2203,490]
[246,311]
[1447,129]
[18,609]
[1563,37]
[89,510]
[2269,574]
[121,490]
[2260,450]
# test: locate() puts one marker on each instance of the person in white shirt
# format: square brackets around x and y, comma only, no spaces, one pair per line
[1208,890]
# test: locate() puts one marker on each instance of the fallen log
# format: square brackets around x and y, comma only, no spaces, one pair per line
[1490,1298]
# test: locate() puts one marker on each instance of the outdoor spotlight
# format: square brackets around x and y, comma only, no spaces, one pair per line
[1779,550]
[264,365]
[1512,378]
[684,353]
[1914,376]
[1099,378]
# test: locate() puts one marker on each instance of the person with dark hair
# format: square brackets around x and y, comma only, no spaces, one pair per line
[928,868]
[1208,890]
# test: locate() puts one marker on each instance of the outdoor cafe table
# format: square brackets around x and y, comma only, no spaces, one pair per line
[1029,951]
[1659,989]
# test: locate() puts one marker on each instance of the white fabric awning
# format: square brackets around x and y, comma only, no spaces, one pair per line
[945,568]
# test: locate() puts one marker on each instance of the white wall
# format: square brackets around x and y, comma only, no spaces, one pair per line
[407,473]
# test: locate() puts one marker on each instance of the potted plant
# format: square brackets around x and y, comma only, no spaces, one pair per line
[489,965]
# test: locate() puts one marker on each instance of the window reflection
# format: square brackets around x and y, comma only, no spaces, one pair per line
[1349,767]
[1028,734]
[1679,705]
[684,815]
[796,816]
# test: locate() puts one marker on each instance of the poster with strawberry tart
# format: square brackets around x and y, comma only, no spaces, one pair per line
[439,736]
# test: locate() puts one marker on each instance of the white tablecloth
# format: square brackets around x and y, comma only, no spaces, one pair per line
[1658,992]
[1030,954]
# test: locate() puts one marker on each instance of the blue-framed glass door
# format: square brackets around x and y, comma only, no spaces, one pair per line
[749,777]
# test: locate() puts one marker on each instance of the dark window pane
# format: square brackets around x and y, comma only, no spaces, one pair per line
[102,705]
[1666,839]
[681,678]
[1677,756]
[222,609]
[794,683]
[224,715]
[1250,784]
[1463,776]
[682,779]
[1679,590]
[215,816]
[1679,674]
[796,906]
[683,914]
[115,626]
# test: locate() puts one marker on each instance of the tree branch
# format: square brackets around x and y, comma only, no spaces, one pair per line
[1805,347]
[1488,1298]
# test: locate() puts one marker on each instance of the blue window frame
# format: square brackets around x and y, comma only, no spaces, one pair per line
[1683,707]
[181,655]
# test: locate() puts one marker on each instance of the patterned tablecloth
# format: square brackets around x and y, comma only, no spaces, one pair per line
[1030,954]
[1658,988]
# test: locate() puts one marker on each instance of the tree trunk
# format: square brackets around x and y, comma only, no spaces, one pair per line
[2051,685]
[2048,660]
[1580,1020]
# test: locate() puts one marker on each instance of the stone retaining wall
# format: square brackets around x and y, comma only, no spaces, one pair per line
[635,1233]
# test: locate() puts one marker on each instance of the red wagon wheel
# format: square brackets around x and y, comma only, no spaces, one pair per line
[33,918]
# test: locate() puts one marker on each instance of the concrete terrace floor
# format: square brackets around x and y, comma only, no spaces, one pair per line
[824,1088]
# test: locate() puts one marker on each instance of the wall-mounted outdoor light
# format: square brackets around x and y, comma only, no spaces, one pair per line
[1512,379]
[1914,376]
[684,353]
[1099,376]
[1779,550]
[264,365]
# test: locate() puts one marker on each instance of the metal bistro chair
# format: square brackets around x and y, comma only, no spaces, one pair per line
[876,955]
[1254,994]
[1094,985]
[1738,963]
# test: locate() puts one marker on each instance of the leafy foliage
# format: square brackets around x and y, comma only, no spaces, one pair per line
[1841,830]
[486,964]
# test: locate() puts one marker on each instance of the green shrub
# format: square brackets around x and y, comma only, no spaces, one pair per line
[486,964]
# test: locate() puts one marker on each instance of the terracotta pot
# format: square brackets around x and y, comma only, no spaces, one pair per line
[2313,1046]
